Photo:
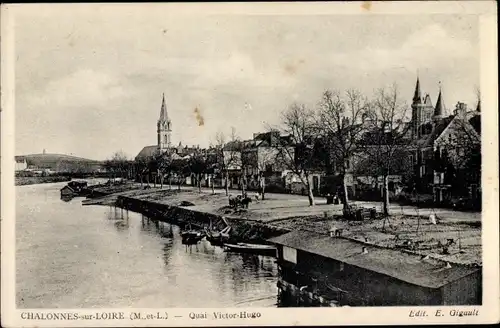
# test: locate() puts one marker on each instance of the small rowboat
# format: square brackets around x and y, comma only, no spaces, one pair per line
[216,238]
[251,248]
[191,238]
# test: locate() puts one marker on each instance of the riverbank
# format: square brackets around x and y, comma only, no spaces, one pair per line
[109,258]
[23,181]
[277,214]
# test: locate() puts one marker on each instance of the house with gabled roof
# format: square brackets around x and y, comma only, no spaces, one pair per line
[443,138]
[261,157]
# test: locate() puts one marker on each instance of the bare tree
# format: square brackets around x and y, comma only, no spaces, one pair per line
[164,167]
[202,162]
[295,152]
[385,136]
[229,155]
[339,124]
[179,167]
[118,163]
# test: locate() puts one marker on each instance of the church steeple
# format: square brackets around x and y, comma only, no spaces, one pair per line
[163,111]
[417,96]
[164,127]
[438,110]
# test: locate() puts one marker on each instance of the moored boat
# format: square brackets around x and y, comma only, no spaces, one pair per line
[216,237]
[74,189]
[191,238]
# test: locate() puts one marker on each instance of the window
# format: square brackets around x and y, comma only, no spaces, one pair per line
[290,254]
[411,159]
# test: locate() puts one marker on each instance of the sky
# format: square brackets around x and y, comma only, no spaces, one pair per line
[90,82]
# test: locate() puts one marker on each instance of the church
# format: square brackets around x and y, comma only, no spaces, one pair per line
[436,136]
[164,140]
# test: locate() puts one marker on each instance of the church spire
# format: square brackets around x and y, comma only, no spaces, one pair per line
[438,110]
[163,111]
[417,96]
[164,127]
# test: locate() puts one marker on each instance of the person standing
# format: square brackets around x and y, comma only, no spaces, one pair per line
[262,185]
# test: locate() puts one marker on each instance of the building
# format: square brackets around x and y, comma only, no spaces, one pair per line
[164,140]
[163,134]
[231,157]
[438,155]
[444,148]
[20,163]
[147,161]
[263,157]
[361,274]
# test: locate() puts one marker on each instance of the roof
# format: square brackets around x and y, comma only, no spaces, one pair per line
[417,95]
[235,145]
[147,152]
[390,262]
[438,111]
[428,101]
[475,121]
[438,128]
[163,111]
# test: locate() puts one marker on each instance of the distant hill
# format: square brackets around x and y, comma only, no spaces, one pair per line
[60,162]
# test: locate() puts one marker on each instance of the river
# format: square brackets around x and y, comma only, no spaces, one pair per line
[74,256]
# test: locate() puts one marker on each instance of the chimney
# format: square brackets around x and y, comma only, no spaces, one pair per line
[364,250]
[460,109]
[448,265]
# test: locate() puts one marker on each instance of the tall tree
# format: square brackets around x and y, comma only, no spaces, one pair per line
[228,155]
[179,167]
[118,164]
[385,137]
[200,164]
[295,152]
[164,167]
[339,122]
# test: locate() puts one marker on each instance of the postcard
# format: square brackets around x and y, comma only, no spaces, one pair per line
[249,164]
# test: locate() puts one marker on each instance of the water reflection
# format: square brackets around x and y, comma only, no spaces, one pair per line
[69,255]
[66,198]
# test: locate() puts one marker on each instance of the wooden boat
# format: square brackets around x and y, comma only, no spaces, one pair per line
[224,234]
[67,192]
[215,237]
[191,239]
[74,189]
[191,236]
[251,248]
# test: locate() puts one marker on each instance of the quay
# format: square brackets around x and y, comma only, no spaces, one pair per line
[438,263]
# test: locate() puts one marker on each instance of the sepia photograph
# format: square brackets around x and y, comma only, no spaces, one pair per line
[251,159]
